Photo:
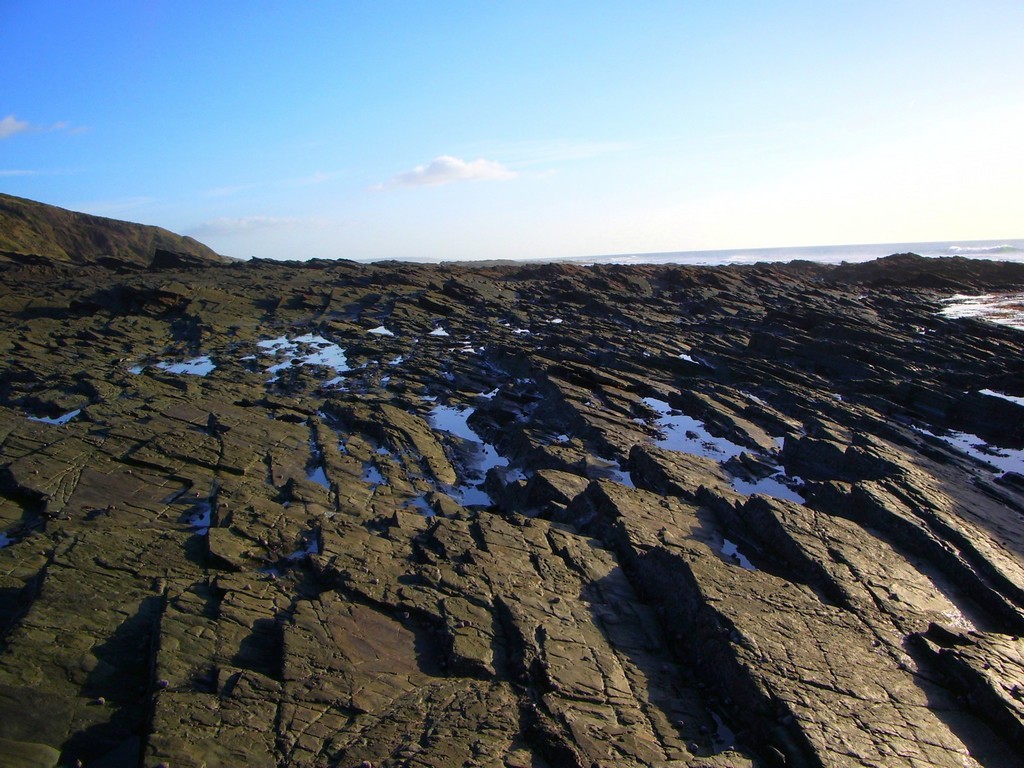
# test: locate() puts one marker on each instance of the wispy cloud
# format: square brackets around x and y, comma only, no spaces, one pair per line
[317,177]
[10,172]
[226,225]
[11,125]
[447,169]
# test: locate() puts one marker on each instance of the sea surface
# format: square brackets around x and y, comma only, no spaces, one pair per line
[1001,250]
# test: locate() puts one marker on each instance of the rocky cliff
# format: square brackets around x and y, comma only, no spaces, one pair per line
[329,514]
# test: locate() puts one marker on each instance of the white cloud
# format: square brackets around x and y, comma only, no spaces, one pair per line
[225,225]
[446,169]
[11,125]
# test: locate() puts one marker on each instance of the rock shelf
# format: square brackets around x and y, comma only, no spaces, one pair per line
[573,546]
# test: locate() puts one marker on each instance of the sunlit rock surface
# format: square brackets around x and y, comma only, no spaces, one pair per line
[316,514]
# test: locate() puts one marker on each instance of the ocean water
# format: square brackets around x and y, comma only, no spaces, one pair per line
[1001,250]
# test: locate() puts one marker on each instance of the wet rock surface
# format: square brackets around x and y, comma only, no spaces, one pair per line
[329,514]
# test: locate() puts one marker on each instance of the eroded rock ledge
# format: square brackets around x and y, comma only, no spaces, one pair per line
[325,514]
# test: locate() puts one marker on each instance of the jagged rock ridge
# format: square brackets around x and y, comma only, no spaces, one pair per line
[320,514]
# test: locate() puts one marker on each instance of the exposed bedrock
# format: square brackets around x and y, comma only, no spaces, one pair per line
[330,514]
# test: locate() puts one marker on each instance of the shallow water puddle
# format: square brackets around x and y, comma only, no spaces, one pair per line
[732,552]
[316,470]
[439,331]
[516,331]
[776,485]
[448,418]
[317,474]
[695,360]
[5,540]
[309,349]
[331,356]
[380,330]
[201,518]
[471,496]
[688,435]
[1001,396]
[372,475]
[1002,309]
[1000,459]
[455,421]
[755,399]
[310,546]
[59,421]
[197,366]
[620,476]
[421,505]
[724,738]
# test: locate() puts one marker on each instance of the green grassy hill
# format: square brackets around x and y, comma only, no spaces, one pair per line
[31,229]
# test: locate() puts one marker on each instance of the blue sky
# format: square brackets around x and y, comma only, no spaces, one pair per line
[374,130]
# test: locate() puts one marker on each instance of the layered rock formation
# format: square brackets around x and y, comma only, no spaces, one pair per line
[329,514]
